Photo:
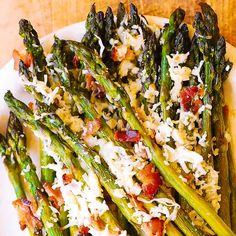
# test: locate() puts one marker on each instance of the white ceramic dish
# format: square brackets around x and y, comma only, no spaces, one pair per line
[9,80]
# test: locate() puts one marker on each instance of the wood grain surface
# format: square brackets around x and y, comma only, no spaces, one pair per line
[50,15]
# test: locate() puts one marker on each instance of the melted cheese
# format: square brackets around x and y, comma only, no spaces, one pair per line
[177,73]
[166,207]
[132,88]
[102,47]
[135,41]
[122,165]
[48,93]
[196,71]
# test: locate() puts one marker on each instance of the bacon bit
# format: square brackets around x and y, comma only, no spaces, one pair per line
[189,177]
[75,61]
[26,58]
[96,88]
[118,54]
[136,203]
[132,136]
[150,179]
[197,104]
[153,228]
[54,195]
[129,55]
[84,230]
[190,98]
[92,127]
[31,106]
[89,81]
[226,111]
[26,216]
[67,178]
[115,55]
[201,92]
[97,223]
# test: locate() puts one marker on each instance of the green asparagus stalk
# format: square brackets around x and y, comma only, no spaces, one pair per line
[17,141]
[134,16]
[209,75]
[213,50]
[182,41]
[117,93]
[12,168]
[120,14]
[109,27]
[33,46]
[221,162]
[91,17]
[14,175]
[175,20]
[47,175]
[231,161]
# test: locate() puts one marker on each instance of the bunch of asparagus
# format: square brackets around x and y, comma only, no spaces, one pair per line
[89,73]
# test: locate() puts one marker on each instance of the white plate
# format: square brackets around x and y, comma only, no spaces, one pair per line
[9,80]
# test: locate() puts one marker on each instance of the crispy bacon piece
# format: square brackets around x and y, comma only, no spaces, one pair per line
[153,228]
[190,98]
[129,55]
[75,61]
[132,136]
[92,127]
[83,230]
[26,216]
[31,106]
[151,180]
[96,88]
[54,195]
[119,54]
[97,223]
[115,55]
[136,203]
[67,178]
[189,177]
[26,58]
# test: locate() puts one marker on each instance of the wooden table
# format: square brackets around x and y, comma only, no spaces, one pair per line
[50,15]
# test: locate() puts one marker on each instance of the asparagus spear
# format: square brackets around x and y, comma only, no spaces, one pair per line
[221,162]
[120,14]
[205,49]
[17,141]
[134,17]
[175,20]
[14,176]
[47,175]
[106,179]
[149,62]
[213,50]
[109,27]
[117,93]
[136,20]
[91,17]
[34,47]
[12,168]
[182,41]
